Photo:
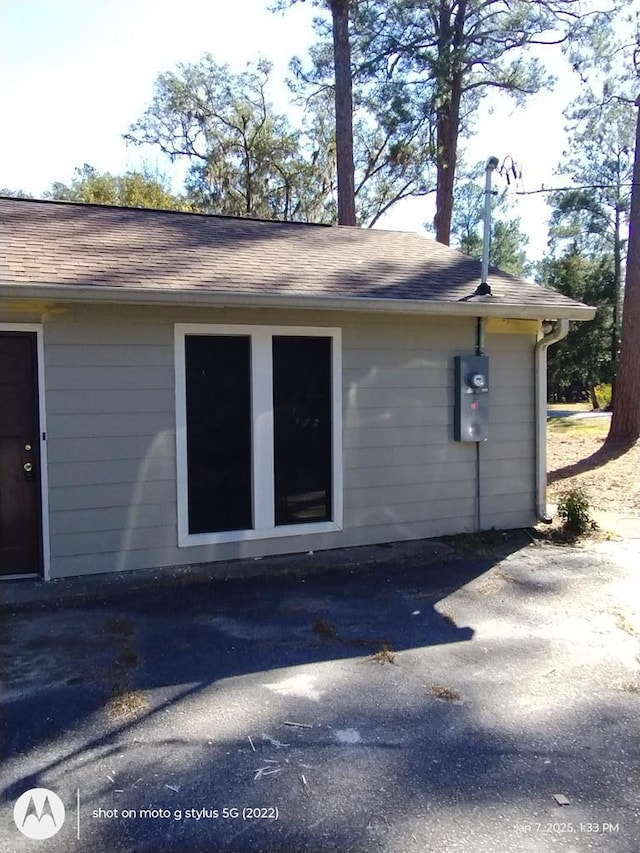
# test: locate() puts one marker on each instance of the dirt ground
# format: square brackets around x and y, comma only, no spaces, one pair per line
[576,456]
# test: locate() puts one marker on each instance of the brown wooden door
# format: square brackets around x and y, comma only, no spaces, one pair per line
[20,528]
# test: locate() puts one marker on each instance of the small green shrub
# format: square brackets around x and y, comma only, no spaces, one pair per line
[603,395]
[573,509]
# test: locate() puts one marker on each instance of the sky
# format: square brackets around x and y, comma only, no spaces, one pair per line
[74,75]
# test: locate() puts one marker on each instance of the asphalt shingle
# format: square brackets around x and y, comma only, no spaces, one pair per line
[59,243]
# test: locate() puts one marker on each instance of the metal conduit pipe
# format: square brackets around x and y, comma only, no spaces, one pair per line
[558,332]
[480,333]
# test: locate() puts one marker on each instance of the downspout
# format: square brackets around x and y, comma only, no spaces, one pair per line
[558,332]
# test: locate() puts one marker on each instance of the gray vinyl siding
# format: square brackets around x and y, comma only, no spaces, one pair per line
[109,377]
[507,461]
[403,471]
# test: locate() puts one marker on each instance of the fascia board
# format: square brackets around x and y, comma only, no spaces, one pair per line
[195,297]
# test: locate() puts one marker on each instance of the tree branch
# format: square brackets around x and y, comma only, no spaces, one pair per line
[398,197]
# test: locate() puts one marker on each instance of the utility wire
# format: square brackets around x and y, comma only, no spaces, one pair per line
[569,189]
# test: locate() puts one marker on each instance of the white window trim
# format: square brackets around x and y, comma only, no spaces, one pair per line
[262,433]
[42,416]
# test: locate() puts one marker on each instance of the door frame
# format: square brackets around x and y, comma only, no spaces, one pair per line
[38,329]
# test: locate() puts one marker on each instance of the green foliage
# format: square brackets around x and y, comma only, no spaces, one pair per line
[420,71]
[583,358]
[393,156]
[592,218]
[8,193]
[603,395]
[600,163]
[133,189]
[468,215]
[507,249]
[573,509]
[245,159]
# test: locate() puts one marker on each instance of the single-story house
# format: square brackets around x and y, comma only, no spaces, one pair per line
[182,388]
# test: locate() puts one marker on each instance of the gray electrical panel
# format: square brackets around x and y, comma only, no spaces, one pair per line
[471,413]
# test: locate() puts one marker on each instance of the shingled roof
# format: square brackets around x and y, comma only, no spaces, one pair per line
[93,251]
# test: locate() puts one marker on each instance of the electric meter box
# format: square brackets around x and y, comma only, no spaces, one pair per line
[471,413]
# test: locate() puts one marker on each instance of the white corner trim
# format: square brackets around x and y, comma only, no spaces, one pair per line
[262,433]
[38,329]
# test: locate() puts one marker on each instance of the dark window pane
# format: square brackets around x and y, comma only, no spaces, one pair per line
[302,428]
[218,376]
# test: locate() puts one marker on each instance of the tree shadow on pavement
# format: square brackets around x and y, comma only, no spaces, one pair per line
[607,453]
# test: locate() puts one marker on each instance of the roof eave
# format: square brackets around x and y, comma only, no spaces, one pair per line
[488,307]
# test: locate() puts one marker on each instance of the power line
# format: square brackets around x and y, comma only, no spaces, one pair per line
[544,189]
[510,170]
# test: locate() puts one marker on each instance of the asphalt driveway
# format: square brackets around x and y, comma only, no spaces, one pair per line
[404,698]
